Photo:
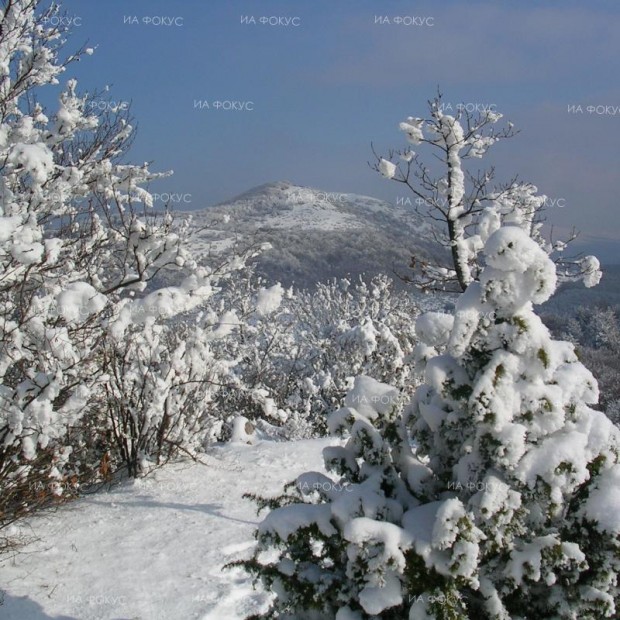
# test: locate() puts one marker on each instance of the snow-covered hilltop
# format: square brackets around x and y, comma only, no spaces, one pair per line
[314,234]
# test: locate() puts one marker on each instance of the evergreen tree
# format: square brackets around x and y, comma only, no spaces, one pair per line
[504,505]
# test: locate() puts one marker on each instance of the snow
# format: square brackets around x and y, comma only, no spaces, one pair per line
[585,439]
[78,301]
[592,269]
[167,302]
[8,226]
[25,249]
[527,562]
[603,501]
[226,324]
[376,599]
[390,541]
[242,431]
[393,539]
[509,249]
[370,397]
[387,168]
[468,309]
[495,496]
[544,460]
[518,271]
[419,522]
[418,611]
[269,299]
[452,133]
[282,522]
[35,159]
[412,127]
[153,549]
[445,529]
[433,328]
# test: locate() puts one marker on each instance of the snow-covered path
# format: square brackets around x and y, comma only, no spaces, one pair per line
[153,549]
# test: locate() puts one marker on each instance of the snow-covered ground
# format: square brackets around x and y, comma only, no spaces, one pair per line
[153,549]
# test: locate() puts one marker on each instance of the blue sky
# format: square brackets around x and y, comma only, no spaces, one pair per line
[322,90]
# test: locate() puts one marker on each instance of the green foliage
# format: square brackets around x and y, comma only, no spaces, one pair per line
[543,356]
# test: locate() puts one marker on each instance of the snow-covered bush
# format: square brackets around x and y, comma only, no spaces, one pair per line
[358,328]
[157,400]
[298,354]
[492,495]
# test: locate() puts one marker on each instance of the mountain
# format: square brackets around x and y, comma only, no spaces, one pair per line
[314,235]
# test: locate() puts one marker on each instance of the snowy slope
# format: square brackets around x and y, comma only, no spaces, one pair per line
[314,235]
[153,549]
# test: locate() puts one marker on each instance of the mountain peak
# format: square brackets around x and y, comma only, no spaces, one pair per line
[315,234]
[283,191]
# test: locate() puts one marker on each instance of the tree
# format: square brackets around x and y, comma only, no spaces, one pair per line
[465,205]
[492,494]
[506,507]
[79,251]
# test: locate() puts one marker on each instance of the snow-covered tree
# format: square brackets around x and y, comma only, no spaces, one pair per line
[49,308]
[507,504]
[79,249]
[465,202]
[346,328]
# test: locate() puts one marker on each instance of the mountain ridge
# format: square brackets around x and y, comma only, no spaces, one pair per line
[314,235]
